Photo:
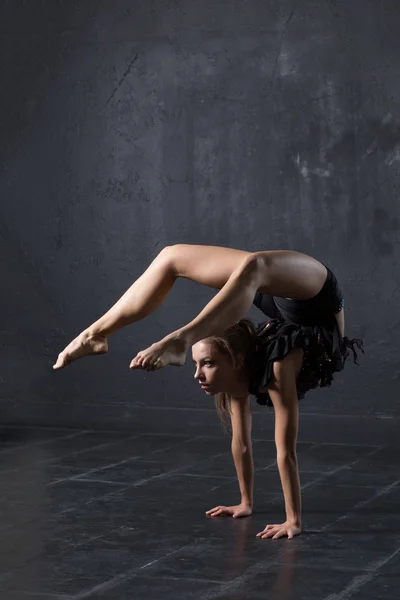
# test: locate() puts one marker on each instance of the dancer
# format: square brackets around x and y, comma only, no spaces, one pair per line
[299,348]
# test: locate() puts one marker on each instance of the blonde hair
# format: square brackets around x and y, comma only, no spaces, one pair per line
[240,339]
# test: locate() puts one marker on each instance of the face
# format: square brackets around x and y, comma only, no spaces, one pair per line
[214,370]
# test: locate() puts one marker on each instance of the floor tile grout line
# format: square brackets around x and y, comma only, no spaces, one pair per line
[130,486]
[123,487]
[62,553]
[362,503]
[53,461]
[111,583]
[381,492]
[360,580]
[42,442]
[139,483]
[117,484]
[135,436]
[77,453]
[117,528]
[258,567]
[214,437]
[231,585]
[133,458]
[210,476]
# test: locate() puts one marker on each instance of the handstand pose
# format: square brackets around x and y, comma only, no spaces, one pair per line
[299,348]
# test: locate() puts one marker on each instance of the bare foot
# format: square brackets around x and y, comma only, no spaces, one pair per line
[83,345]
[170,351]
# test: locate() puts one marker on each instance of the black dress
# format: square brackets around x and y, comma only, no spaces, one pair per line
[307,324]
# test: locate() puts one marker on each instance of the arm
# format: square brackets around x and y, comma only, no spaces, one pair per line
[283,394]
[242,457]
[242,447]
[286,425]
[340,321]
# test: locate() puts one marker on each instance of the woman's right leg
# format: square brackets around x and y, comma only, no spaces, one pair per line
[209,265]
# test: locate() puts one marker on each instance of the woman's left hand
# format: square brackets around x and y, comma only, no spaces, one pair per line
[277,531]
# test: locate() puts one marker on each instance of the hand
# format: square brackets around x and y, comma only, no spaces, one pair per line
[239,510]
[277,531]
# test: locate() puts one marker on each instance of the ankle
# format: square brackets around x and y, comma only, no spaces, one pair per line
[181,338]
[95,331]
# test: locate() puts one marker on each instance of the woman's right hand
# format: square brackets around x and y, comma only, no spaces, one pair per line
[239,510]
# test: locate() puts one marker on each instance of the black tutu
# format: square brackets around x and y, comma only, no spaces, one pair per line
[325,353]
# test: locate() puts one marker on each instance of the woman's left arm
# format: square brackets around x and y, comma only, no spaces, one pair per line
[283,394]
[340,321]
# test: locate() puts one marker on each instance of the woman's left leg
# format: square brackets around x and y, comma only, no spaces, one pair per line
[278,273]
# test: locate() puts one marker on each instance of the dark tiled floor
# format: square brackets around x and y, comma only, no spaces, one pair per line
[92,515]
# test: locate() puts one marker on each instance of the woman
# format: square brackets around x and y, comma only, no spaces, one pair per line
[300,348]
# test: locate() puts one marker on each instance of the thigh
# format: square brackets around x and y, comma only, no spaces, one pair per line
[209,265]
[291,274]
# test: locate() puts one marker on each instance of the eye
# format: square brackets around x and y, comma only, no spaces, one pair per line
[207,363]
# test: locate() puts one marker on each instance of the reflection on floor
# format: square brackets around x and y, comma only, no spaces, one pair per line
[93,515]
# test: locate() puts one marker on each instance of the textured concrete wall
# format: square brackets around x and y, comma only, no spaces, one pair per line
[129,126]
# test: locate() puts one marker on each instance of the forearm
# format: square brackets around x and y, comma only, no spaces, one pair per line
[290,480]
[340,321]
[243,460]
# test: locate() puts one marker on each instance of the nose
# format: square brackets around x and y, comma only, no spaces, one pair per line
[198,374]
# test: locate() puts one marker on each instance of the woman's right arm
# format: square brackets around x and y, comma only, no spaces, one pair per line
[242,457]
[242,451]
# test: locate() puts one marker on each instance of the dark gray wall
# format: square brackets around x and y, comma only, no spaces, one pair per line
[129,126]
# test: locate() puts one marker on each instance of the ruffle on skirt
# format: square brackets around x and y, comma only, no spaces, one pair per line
[325,352]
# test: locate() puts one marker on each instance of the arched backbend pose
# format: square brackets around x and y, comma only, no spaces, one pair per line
[299,348]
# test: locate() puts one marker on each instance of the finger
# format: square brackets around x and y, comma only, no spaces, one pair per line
[267,528]
[290,535]
[279,534]
[215,512]
[268,534]
[212,510]
[215,508]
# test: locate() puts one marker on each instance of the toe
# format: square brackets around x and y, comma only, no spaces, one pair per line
[59,362]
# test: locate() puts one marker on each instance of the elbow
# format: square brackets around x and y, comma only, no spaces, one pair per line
[286,456]
[241,445]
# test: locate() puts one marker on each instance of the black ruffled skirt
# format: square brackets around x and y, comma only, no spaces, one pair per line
[325,353]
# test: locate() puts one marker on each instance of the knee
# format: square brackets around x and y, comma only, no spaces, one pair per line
[171,257]
[254,269]
[167,257]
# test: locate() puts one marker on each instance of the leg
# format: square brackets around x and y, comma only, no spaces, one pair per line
[278,273]
[283,394]
[211,266]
